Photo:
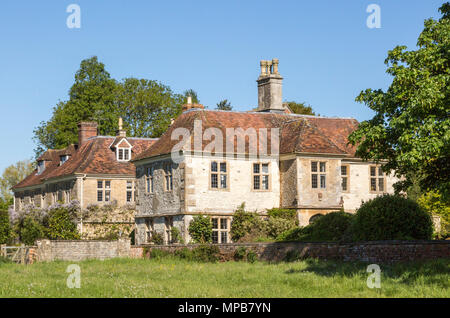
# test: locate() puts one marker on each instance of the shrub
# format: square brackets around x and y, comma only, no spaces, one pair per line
[4,260]
[330,227]
[245,226]
[158,254]
[62,226]
[276,225]
[240,253]
[175,235]
[5,228]
[252,257]
[200,229]
[156,238]
[391,217]
[432,203]
[286,214]
[30,231]
[184,253]
[206,253]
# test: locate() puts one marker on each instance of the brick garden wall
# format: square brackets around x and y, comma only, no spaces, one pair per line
[377,251]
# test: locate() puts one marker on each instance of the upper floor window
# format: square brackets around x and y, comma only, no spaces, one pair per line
[103,190]
[130,190]
[318,174]
[149,180]
[261,176]
[219,175]
[123,154]
[41,166]
[168,176]
[345,175]
[63,159]
[377,179]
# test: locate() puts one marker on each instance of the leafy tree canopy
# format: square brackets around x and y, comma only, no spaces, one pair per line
[10,177]
[224,105]
[411,127]
[145,105]
[300,108]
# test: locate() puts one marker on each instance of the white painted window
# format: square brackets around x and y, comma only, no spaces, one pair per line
[219,175]
[41,166]
[103,190]
[123,154]
[318,174]
[63,159]
[130,190]
[220,230]
[260,176]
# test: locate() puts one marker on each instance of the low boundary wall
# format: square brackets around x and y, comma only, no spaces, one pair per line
[47,250]
[376,251]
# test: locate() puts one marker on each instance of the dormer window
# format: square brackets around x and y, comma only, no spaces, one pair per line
[63,159]
[40,166]
[123,154]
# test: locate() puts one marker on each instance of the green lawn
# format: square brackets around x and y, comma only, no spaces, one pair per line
[172,277]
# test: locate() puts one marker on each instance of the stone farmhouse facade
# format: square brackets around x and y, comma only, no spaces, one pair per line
[96,172]
[275,159]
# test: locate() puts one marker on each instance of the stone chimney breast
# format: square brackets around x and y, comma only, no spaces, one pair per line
[270,82]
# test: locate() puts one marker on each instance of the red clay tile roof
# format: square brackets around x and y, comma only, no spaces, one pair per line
[94,157]
[298,133]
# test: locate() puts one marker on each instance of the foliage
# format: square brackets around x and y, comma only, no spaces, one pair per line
[158,253]
[184,253]
[62,225]
[224,105]
[175,235]
[5,227]
[145,105]
[30,231]
[250,227]
[4,260]
[200,229]
[240,253]
[206,253]
[300,108]
[156,238]
[411,127]
[252,257]
[193,94]
[330,227]
[391,217]
[432,203]
[11,176]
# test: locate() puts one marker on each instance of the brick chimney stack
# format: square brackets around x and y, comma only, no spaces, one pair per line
[190,105]
[270,82]
[86,129]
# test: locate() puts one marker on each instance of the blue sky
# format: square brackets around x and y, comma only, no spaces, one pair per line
[327,53]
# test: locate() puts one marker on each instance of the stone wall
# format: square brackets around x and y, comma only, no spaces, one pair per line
[374,252]
[47,250]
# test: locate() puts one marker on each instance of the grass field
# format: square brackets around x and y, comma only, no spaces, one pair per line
[170,277]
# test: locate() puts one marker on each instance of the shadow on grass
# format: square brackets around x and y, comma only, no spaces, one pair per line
[436,272]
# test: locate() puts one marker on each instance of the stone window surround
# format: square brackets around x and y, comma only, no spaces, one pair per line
[347,176]
[149,179]
[168,176]
[104,190]
[377,177]
[130,190]
[253,174]
[219,174]
[319,174]
[220,229]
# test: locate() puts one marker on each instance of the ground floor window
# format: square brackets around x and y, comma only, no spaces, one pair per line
[148,230]
[220,230]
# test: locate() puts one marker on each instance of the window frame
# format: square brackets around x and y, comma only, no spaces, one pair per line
[168,175]
[124,150]
[318,174]
[219,230]
[130,190]
[150,179]
[219,174]
[347,177]
[104,190]
[261,174]
[377,179]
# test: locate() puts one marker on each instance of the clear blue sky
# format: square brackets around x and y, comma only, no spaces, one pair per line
[327,53]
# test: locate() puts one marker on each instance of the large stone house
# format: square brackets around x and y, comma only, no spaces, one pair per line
[273,159]
[96,172]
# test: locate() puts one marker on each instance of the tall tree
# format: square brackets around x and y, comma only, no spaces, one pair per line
[411,127]
[147,106]
[11,176]
[224,105]
[193,94]
[300,108]
[91,97]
